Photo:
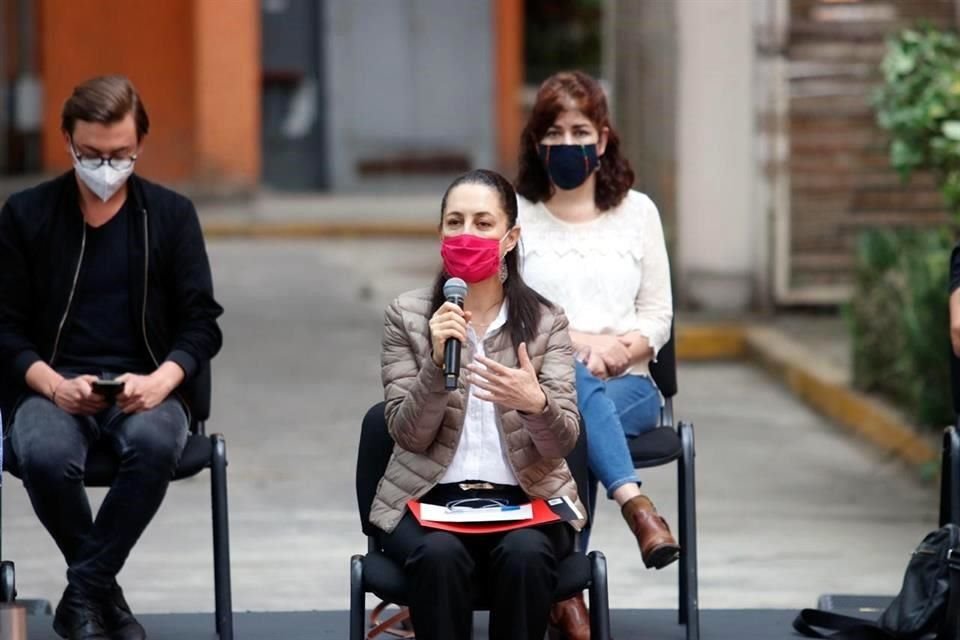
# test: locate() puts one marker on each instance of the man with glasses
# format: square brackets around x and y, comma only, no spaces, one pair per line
[107,326]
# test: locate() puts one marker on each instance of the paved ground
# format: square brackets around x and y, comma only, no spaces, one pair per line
[788,506]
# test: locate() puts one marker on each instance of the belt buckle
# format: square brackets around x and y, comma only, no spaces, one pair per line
[473,486]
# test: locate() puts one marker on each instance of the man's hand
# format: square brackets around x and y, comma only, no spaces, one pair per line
[510,388]
[142,393]
[76,396]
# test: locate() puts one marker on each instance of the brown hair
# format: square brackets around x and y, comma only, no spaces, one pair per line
[106,100]
[558,93]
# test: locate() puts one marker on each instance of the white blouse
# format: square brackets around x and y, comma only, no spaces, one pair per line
[611,275]
[480,454]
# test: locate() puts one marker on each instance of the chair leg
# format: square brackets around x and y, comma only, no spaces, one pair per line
[599,598]
[945,479]
[8,583]
[950,478]
[357,608]
[689,541]
[954,477]
[2,445]
[682,531]
[221,538]
[583,540]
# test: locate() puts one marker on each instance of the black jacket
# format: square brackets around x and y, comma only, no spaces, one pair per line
[42,236]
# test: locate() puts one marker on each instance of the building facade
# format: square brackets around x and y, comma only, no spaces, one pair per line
[293,94]
[750,122]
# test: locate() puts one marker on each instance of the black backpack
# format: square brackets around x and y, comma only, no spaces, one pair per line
[927,607]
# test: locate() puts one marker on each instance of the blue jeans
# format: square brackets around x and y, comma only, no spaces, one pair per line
[51,447]
[614,410]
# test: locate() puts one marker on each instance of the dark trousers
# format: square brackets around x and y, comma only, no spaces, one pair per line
[517,569]
[51,448]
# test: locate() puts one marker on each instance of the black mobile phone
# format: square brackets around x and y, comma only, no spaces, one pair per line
[107,388]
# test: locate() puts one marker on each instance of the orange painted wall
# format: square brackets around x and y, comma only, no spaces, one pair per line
[149,42]
[195,64]
[508,79]
[227,75]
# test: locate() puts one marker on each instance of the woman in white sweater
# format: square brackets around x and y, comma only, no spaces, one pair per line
[596,248]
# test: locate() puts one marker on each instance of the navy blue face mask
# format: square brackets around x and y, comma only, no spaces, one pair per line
[568,165]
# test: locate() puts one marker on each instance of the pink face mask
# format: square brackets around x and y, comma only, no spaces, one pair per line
[470,257]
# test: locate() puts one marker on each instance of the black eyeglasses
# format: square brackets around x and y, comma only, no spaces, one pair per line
[470,504]
[95,162]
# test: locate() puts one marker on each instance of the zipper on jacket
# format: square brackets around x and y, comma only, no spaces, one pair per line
[143,312]
[146,280]
[73,290]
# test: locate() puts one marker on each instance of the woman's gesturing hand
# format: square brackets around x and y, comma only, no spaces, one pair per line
[510,388]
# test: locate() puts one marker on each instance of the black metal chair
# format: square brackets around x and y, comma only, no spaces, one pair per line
[949,513]
[377,574]
[950,468]
[200,452]
[950,476]
[663,445]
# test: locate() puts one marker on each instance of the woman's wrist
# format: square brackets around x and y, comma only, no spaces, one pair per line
[638,346]
[581,341]
[538,405]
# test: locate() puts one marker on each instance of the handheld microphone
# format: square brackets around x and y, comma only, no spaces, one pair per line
[454,290]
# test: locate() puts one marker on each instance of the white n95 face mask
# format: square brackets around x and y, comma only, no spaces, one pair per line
[104,181]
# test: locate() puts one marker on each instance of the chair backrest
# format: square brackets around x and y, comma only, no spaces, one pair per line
[373,454]
[664,370]
[577,461]
[376,446]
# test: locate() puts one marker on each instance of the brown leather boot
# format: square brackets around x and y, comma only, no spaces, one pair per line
[657,545]
[569,619]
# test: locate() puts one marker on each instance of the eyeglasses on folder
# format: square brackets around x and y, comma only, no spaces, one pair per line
[470,504]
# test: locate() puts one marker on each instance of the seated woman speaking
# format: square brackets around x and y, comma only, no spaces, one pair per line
[504,430]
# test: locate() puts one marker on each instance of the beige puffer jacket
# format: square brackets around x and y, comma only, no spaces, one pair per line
[425,421]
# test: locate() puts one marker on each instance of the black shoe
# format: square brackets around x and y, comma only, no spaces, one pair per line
[117,619]
[78,617]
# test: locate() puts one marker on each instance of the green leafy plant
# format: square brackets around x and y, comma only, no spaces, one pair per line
[900,323]
[919,106]
[898,315]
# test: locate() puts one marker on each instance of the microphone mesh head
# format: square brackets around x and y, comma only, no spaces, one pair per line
[455,288]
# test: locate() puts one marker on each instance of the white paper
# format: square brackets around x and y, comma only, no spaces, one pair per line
[436,513]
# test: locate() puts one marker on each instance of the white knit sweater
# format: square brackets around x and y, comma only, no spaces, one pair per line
[611,275]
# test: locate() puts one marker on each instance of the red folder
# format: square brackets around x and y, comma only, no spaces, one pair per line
[542,514]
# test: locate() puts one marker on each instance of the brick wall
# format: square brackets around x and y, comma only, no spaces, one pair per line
[840,176]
